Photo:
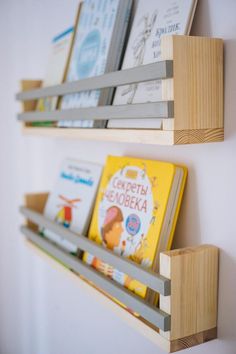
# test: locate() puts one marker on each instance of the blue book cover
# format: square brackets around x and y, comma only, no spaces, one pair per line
[96,34]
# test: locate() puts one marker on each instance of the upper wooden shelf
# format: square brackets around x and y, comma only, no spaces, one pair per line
[138,136]
[191,108]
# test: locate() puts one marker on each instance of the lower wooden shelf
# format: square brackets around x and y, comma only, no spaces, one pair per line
[137,324]
[157,137]
[187,311]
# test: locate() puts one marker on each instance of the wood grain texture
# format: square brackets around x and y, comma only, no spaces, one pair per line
[35,201]
[191,341]
[198,81]
[197,136]
[26,85]
[194,289]
[29,106]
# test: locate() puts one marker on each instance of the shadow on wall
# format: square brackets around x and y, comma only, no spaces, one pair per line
[227,295]
[188,232]
[202,26]
[229,88]
[202,20]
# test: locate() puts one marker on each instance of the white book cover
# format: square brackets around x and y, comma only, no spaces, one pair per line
[58,60]
[71,201]
[152,20]
[96,34]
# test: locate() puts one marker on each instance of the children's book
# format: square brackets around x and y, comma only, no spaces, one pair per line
[71,201]
[56,70]
[97,48]
[135,214]
[153,19]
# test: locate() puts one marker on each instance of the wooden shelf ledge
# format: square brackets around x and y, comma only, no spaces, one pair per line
[156,137]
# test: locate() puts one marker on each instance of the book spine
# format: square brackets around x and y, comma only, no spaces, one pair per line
[116,52]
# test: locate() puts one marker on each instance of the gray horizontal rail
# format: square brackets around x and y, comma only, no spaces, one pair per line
[153,280]
[163,109]
[155,71]
[152,314]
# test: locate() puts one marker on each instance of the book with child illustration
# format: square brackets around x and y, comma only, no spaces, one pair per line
[135,214]
[70,203]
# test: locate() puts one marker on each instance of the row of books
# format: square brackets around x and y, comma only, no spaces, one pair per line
[130,207]
[109,35]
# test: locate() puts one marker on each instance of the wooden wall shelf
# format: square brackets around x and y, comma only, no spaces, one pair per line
[191,108]
[157,137]
[187,283]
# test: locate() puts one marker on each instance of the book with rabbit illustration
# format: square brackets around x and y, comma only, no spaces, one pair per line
[153,19]
[135,214]
[70,204]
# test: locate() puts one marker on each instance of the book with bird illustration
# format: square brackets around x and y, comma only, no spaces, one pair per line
[135,215]
[71,202]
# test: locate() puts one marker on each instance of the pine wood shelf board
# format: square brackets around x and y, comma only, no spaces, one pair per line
[152,314]
[198,136]
[130,320]
[155,71]
[193,306]
[139,326]
[139,136]
[162,109]
[193,340]
[197,83]
[151,279]
[110,135]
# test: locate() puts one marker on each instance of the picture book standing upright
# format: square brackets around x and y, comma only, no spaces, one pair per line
[153,19]
[135,214]
[70,204]
[56,69]
[98,46]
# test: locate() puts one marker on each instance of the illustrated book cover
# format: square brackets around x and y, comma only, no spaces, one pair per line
[97,48]
[153,19]
[71,201]
[135,215]
[56,70]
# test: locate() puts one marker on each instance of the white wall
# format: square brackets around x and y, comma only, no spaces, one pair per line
[42,311]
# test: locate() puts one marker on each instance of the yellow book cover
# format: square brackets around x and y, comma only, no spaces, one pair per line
[135,214]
